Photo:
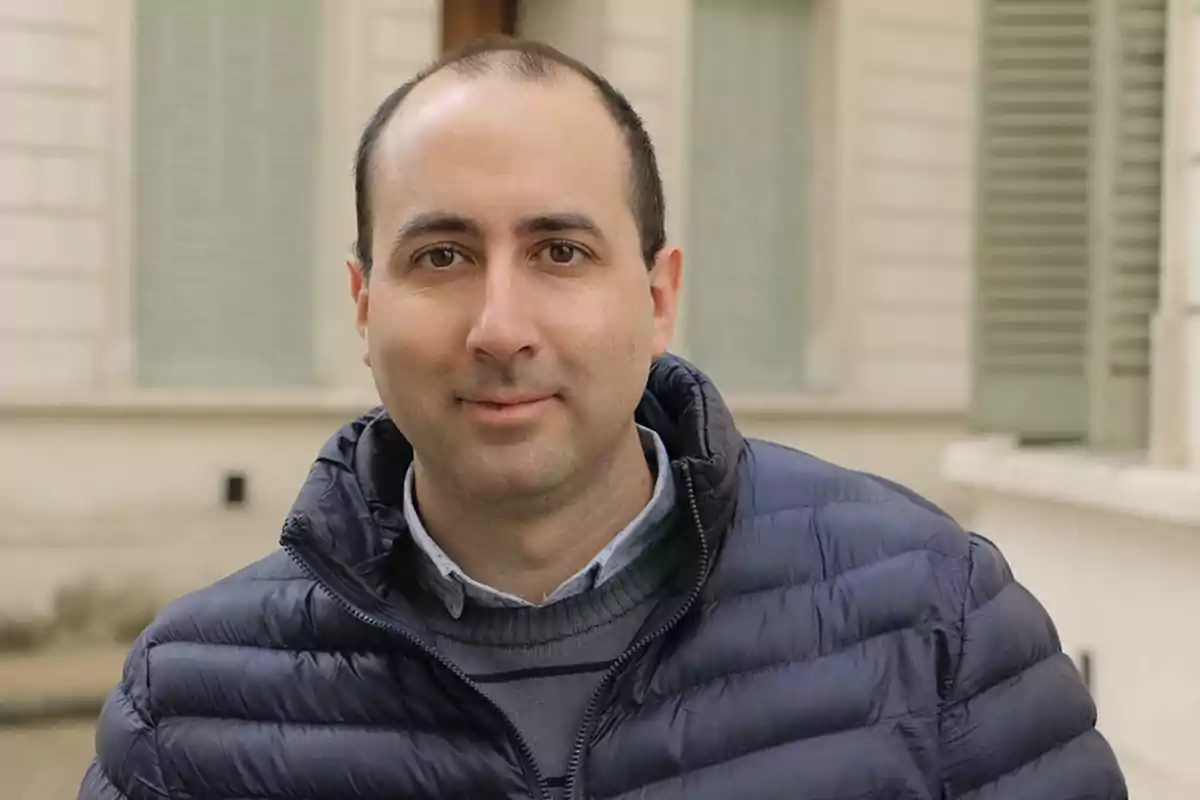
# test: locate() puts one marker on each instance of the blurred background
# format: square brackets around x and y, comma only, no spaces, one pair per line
[953,242]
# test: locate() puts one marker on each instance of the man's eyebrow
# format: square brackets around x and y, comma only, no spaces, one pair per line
[432,223]
[559,223]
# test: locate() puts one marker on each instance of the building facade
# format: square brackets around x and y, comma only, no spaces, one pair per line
[176,336]
[958,237]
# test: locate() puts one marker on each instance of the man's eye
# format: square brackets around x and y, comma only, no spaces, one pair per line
[438,257]
[562,253]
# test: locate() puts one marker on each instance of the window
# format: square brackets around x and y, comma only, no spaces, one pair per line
[226,153]
[749,166]
[1070,154]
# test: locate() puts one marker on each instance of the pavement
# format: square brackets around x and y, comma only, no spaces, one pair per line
[45,762]
[56,684]
[48,707]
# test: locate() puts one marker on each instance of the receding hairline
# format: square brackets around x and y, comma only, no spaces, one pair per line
[497,67]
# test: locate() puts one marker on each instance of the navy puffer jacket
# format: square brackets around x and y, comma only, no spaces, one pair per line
[840,638]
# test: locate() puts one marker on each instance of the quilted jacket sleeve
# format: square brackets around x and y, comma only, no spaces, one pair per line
[1019,724]
[126,766]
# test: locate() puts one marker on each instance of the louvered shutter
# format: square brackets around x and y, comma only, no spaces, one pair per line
[750,133]
[226,155]
[1032,246]
[1127,218]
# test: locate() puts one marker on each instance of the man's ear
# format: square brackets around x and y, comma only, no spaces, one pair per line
[666,277]
[360,292]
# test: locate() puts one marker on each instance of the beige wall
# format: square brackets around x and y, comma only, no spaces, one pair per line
[371,48]
[907,195]
[134,495]
[61,200]
[572,26]
[126,483]
[1187,161]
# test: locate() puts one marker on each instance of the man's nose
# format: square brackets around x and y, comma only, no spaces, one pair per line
[504,328]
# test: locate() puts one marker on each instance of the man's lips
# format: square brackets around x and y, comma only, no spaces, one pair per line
[499,401]
[506,409]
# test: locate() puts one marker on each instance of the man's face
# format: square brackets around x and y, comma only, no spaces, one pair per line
[509,316]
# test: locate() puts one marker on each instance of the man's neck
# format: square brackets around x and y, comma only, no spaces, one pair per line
[530,555]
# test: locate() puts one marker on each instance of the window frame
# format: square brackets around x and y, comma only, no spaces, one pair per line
[300,366]
[827,302]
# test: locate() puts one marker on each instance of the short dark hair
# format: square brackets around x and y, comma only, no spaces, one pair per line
[533,61]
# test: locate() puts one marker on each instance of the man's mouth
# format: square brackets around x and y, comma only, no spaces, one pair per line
[504,408]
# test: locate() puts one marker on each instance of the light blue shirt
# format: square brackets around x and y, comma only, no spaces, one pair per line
[453,586]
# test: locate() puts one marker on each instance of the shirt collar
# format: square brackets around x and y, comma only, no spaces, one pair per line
[453,587]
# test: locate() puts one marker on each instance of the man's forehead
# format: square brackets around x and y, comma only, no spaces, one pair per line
[477,144]
[452,105]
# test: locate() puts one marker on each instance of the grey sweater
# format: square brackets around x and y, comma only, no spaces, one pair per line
[541,665]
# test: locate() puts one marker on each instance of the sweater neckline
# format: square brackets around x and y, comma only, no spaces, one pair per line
[478,624]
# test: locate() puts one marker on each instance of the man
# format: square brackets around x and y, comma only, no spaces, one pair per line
[550,566]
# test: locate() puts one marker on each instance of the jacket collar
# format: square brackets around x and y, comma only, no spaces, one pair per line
[349,512]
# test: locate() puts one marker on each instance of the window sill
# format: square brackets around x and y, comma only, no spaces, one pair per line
[85,404]
[1075,477]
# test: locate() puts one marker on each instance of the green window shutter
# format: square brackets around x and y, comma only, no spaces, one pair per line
[750,134]
[226,155]
[1032,231]
[1127,217]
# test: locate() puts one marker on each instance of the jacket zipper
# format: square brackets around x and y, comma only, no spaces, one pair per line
[543,788]
[585,729]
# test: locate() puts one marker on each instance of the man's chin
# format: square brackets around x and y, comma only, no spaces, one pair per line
[510,474]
